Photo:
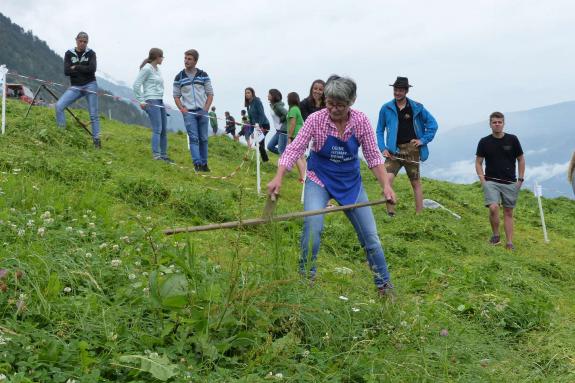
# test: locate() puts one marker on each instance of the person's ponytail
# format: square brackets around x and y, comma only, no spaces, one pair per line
[153,55]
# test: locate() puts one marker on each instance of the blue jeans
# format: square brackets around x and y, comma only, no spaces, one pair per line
[278,143]
[197,128]
[74,93]
[317,197]
[157,114]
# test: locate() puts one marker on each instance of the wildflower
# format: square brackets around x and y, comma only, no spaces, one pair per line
[67,289]
[305,354]
[146,290]
[91,225]
[103,245]
[30,223]
[132,277]
[355,309]
[93,234]
[35,187]
[69,228]
[115,247]
[70,380]
[4,340]
[41,231]
[403,323]
[84,216]
[116,262]
[279,376]
[138,263]
[125,239]
[88,255]
[81,233]
[45,215]
[148,218]
[343,298]
[48,221]
[88,211]
[444,332]
[21,232]
[2,377]
[343,270]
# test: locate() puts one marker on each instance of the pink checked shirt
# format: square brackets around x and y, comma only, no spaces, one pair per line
[316,129]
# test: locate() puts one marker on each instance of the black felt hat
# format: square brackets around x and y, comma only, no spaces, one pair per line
[401,82]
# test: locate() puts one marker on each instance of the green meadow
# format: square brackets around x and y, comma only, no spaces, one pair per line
[92,291]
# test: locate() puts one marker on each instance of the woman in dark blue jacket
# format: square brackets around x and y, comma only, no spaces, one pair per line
[257,116]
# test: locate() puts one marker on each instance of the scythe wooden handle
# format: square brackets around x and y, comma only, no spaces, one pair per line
[278,218]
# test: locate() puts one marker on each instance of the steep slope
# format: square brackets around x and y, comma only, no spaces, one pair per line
[92,291]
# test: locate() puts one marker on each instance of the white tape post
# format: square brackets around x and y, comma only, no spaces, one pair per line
[539,194]
[258,177]
[3,72]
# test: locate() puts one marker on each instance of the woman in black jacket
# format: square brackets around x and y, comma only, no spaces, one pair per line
[315,101]
[257,116]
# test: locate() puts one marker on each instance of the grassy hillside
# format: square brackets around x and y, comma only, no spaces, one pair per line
[91,291]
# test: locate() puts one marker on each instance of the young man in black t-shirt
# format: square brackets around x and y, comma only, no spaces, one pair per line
[500,151]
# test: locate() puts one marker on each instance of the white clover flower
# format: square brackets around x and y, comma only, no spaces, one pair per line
[81,233]
[45,215]
[355,309]
[48,221]
[146,290]
[138,263]
[30,223]
[67,289]
[115,247]
[145,273]
[88,211]
[22,297]
[88,255]
[132,277]
[84,216]
[103,245]
[35,187]
[21,232]
[41,231]
[93,234]
[70,380]
[2,377]
[138,249]
[305,354]
[279,376]
[91,225]
[125,239]
[4,340]
[69,228]
[343,270]
[12,210]
[116,262]
[33,210]
[343,298]
[148,218]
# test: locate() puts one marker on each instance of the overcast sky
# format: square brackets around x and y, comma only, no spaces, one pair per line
[464,58]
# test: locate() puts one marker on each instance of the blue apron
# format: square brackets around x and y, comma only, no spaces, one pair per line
[337,166]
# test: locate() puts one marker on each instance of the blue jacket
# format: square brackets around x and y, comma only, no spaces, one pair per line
[424,124]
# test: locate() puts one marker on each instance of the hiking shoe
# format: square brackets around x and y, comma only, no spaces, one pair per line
[97,143]
[509,246]
[197,167]
[386,290]
[205,168]
[495,240]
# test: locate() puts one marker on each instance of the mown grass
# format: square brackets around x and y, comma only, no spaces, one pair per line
[93,287]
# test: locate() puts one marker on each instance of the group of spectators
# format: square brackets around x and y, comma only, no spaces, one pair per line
[325,124]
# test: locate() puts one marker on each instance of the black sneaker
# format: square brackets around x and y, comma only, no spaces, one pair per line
[197,167]
[205,168]
[97,143]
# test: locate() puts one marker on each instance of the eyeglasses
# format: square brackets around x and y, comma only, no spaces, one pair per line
[330,104]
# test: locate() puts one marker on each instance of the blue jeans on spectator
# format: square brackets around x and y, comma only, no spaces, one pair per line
[157,114]
[317,197]
[74,93]
[278,142]
[197,128]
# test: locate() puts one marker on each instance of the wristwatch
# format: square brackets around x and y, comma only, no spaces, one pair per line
[520,179]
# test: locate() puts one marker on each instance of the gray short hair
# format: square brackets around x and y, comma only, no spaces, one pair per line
[341,89]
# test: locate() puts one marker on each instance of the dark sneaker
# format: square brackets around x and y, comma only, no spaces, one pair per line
[509,246]
[158,158]
[386,290]
[169,160]
[97,143]
[391,214]
[205,168]
[197,167]
[495,240]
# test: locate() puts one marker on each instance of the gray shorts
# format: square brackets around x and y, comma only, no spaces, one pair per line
[505,194]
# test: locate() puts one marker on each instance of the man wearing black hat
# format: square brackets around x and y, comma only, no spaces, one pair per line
[404,129]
